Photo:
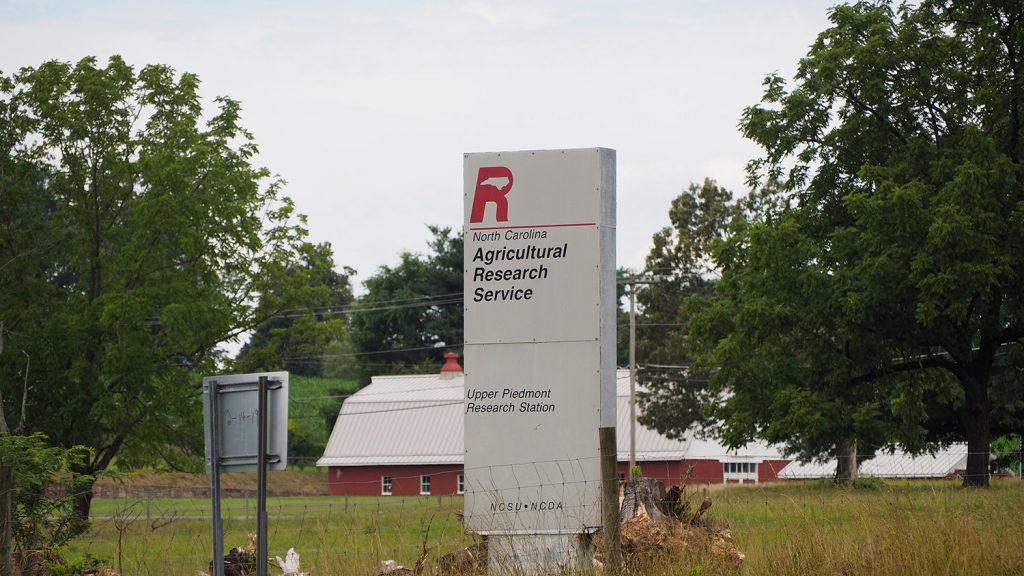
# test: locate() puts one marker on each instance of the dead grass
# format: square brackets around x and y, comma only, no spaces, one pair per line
[137,485]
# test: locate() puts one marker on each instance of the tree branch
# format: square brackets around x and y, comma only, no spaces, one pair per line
[44,246]
[131,181]
[911,365]
[848,92]
[22,422]
[115,383]
[107,453]
[1006,36]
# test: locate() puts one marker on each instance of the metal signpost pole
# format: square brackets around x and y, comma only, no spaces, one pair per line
[218,530]
[261,482]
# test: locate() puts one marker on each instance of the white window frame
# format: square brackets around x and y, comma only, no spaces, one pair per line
[460,486]
[740,471]
[386,485]
[425,483]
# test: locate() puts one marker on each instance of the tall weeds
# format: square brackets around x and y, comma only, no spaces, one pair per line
[891,529]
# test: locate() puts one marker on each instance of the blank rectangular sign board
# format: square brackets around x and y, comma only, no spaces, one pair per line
[237,420]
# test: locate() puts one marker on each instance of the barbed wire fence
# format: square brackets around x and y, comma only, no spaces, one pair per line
[166,529]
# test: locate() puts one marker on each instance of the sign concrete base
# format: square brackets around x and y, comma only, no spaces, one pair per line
[536,554]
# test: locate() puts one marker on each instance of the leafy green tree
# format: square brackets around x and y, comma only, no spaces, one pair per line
[785,365]
[297,339]
[340,360]
[1007,453]
[676,396]
[709,362]
[622,275]
[303,446]
[136,235]
[411,313]
[330,410]
[898,149]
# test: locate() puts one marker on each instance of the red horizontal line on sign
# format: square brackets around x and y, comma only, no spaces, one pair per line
[535,226]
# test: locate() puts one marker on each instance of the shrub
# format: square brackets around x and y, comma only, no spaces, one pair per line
[43,517]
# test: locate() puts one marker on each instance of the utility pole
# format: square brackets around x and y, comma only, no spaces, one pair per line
[631,283]
[632,378]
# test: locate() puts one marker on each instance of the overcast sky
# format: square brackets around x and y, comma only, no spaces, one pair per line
[366,108]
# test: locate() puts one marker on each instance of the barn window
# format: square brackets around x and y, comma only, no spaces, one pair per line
[740,471]
[385,485]
[461,488]
[424,485]
[741,468]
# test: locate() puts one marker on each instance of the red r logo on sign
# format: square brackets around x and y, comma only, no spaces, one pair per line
[492,184]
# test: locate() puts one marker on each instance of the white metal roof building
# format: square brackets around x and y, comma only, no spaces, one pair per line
[944,463]
[653,446]
[418,419]
[407,421]
[399,420]
[411,427]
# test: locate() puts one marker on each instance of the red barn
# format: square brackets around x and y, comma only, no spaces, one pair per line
[403,436]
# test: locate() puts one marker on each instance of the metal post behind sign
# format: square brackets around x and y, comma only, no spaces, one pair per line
[218,531]
[261,482]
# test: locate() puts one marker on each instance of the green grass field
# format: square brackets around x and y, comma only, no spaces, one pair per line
[333,535]
[913,528]
[907,528]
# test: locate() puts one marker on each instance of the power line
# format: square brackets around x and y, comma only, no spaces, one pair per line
[403,409]
[361,310]
[443,346]
[417,300]
[382,302]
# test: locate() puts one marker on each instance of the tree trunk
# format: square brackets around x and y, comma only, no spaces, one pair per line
[6,489]
[83,501]
[94,466]
[642,496]
[976,417]
[846,462]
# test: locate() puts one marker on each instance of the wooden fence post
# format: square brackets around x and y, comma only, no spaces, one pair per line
[610,501]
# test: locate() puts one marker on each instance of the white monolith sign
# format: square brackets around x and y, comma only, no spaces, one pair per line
[540,342]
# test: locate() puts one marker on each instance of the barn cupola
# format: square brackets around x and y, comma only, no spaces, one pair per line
[451,367]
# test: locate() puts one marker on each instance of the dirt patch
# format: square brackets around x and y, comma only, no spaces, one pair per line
[469,560]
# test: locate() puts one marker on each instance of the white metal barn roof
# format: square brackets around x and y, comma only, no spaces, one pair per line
[399,420]
[653,446]
[419,420]
[896,465]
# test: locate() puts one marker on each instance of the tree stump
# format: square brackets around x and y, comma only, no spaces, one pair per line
[642,497]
